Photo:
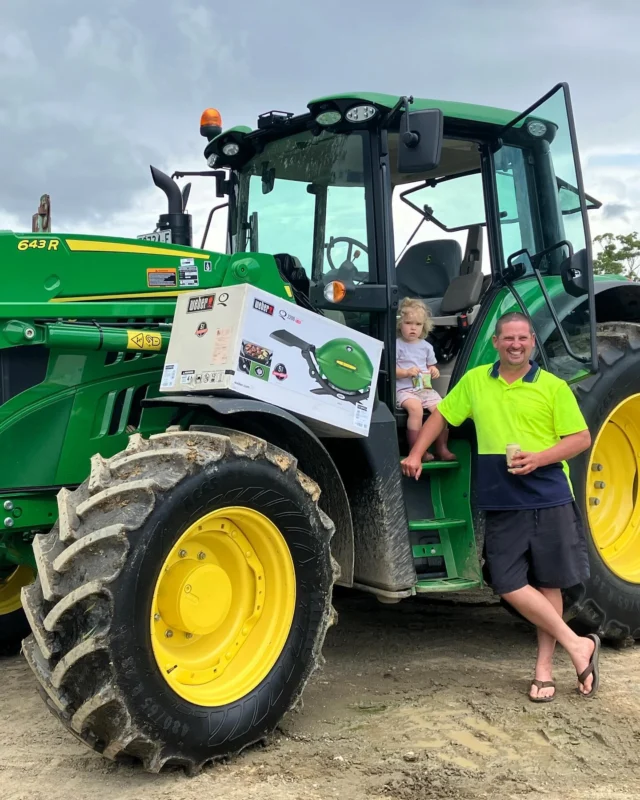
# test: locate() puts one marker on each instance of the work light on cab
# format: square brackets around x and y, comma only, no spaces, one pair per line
[210,123]
[231,149]
[361,113]
[536,128]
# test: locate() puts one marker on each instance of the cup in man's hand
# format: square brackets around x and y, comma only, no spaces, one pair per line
[512,450]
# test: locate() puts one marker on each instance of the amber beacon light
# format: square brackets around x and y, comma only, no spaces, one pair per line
[210,123]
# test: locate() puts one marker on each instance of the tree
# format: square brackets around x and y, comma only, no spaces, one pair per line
[619,255]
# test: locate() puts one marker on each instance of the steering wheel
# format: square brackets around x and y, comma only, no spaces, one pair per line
[347,270]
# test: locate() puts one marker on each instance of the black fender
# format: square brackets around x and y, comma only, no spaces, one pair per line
[617,301]
[291,434]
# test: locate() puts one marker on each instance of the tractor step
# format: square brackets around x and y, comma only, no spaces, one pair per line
[446,585]
[440,524]
[429,466]
[436,524]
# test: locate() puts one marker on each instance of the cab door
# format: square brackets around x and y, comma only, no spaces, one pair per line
[544,230]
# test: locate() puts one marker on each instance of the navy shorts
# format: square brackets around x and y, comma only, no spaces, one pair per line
[546,548]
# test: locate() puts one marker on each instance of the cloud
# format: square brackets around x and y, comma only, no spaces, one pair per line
[122,88]
[616,210]
[94,93]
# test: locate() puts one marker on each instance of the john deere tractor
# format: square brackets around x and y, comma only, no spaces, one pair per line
[172,556]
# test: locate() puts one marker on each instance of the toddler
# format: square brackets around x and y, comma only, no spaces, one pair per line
[415,358]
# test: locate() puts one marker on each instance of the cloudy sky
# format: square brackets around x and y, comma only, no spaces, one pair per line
[92,93]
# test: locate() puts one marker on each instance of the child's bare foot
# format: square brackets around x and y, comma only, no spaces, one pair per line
[427,457]
[444,454]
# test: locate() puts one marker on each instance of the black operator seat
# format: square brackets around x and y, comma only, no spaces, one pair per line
[426,269]
[436,272]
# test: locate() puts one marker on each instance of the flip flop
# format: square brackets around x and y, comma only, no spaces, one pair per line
[543,685]
[592,668]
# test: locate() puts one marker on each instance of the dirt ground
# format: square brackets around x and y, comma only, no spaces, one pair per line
[418,700]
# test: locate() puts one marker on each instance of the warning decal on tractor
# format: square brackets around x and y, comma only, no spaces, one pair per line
[161,277]
[141,340]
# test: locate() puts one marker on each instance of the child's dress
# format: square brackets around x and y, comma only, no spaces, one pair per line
[415,354]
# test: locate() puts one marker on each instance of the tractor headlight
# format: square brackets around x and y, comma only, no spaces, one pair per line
[325,118]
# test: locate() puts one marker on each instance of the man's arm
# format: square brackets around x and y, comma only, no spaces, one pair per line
[432,428]
[565,450]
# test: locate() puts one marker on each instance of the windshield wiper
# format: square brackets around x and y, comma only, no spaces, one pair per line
[410,239]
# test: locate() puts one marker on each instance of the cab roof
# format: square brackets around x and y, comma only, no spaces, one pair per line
[453,110]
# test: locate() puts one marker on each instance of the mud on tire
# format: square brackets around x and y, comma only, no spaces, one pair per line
[89,610]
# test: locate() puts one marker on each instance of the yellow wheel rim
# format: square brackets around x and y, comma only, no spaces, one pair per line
[223,606]
[10,589]
[613,503]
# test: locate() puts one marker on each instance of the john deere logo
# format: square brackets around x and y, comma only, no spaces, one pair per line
[428,259]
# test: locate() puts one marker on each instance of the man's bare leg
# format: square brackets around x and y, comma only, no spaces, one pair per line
[546,647]
[535,607]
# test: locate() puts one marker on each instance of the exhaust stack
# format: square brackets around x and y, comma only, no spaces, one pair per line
[175,220]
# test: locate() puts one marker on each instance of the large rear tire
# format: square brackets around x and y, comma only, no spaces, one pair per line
[606,485]
[183,598]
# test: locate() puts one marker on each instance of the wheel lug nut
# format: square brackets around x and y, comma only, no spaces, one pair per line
[594,501]
[596,467]
[599,484]
[156,617]
[168,634]
[187,589]
[201,555]
[182,553]
[189,635]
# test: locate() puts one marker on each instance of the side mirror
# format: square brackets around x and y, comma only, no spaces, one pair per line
[420,142]
[575,273]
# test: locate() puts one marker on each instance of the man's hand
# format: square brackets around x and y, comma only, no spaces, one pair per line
[434,371]
[412,466]
[524,463]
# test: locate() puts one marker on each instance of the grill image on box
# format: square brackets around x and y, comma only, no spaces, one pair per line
[340,366]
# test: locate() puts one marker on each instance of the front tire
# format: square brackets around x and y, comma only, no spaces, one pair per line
[183,598]
[606,486]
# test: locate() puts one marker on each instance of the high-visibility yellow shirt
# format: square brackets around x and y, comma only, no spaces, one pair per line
[535,411]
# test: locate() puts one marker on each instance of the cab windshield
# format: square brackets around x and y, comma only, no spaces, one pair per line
[307,196]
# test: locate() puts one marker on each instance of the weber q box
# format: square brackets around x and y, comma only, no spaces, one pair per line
[243,341]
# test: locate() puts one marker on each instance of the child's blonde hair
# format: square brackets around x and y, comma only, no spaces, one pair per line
[415,304]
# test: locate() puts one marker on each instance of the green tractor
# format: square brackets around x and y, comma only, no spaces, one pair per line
[172,556]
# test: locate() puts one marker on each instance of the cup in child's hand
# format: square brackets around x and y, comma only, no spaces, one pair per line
[512,450]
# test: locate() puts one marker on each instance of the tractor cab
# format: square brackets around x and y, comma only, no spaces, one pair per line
[368,199]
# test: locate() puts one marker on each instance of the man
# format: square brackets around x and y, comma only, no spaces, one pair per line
[535,544]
